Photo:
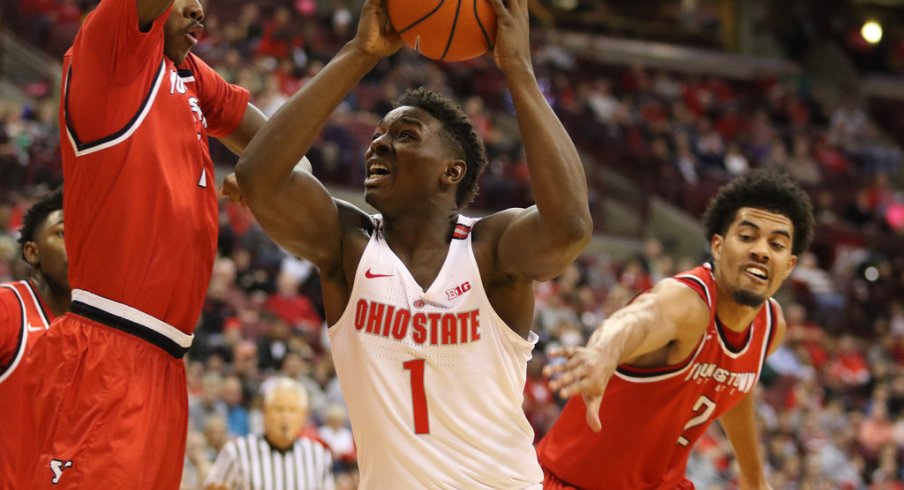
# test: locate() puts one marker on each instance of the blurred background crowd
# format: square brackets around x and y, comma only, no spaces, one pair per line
[666,100]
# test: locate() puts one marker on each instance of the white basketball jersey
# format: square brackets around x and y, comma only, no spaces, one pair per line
[433,379]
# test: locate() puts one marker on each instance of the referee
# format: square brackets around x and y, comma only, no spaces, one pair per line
[278,460]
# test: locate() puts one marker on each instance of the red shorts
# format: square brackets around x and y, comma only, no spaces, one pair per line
[552,482]
[110,410]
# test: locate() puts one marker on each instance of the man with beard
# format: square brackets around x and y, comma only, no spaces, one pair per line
[656,374]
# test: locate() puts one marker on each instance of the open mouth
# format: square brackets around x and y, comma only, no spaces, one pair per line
[376,172]
[757,272]
[194,34]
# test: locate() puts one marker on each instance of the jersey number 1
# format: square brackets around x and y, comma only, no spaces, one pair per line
[706,407]
[418,396]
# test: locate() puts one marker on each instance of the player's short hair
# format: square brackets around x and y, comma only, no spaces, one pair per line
[462,137]
[37,214]
[768,189]
[271,386]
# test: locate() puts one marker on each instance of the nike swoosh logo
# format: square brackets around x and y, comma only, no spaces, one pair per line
[370,275]
[34,329]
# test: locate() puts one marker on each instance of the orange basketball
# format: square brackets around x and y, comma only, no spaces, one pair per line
[446,30]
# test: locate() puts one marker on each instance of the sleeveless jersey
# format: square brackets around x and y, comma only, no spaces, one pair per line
[651,418]
[140,202]
[22,319]
[433,378]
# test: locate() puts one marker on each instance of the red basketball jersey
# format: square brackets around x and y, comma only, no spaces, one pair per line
[22,319]
[140,202]
[652,417]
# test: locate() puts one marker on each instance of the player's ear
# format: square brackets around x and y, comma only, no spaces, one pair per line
[715,246]
[455,171]
[30,252]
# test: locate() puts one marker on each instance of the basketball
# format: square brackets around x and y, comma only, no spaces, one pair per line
[445,30]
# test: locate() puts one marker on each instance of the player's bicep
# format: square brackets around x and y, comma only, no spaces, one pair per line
[526,252]
[300,215]
[671,311]
[252,121]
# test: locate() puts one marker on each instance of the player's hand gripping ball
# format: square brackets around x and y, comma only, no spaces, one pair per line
[445,30]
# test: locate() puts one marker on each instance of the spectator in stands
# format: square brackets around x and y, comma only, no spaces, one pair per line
[208,403]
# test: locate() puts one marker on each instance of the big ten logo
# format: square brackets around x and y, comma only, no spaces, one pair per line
[458,290]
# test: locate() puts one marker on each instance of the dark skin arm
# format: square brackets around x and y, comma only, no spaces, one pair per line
[149,10]
[538,242]
[294,208]
[666,322]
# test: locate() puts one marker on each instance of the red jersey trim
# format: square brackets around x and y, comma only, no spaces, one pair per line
[23,336]
[80,148]
[461,232]
[702,285]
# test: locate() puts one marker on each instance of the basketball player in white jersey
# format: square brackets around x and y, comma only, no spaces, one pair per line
[430,311]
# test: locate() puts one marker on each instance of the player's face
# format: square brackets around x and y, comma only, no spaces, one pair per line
[284,416]
[409,161]
[183,29]
[48,252]
[754,257]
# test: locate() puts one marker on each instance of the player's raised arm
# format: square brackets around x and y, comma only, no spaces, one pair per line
[542,240]
[150,10]
[294,208]
[668,312]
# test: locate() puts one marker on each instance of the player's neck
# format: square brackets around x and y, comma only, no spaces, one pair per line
[734,316]
[409,232]
[53,296]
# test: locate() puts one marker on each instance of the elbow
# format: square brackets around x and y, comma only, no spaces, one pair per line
[577,231]
[245,179]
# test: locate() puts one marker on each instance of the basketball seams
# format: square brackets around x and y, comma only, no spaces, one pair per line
[486,35]
[452,31]
[423,18]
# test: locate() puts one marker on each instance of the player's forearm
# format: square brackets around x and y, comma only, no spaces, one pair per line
[289,134]
[625,334]
[636,329]
[556,172]
[739,424]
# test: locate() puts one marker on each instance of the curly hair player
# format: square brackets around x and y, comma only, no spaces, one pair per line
[657,373]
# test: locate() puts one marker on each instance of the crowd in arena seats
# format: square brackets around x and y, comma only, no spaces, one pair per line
[832,398]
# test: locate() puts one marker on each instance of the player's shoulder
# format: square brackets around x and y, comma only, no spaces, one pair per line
[10,302]
[491,227]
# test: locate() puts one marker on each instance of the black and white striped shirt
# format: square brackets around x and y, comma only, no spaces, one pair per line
[251,463]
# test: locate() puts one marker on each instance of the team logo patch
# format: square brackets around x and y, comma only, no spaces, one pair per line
[458,290]
[57,466]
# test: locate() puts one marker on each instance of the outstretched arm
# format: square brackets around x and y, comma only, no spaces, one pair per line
[668,312]
[540,241]
[294,207]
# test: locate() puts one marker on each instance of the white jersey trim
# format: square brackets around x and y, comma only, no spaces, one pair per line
[127,132]
[134,315]
[24,340]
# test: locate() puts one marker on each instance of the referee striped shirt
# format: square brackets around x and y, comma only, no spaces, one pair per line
[251,463]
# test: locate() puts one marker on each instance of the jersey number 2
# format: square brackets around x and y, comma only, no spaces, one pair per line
[418,396]
[706,407]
